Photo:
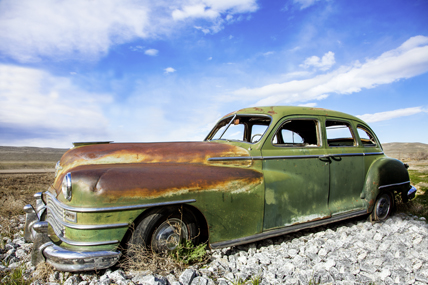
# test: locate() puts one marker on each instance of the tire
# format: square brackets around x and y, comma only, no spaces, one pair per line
[382,208]
[163,229]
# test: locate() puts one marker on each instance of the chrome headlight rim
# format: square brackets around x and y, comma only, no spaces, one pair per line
[66,186]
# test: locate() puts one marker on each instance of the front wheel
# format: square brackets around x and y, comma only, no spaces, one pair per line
[382,208]
[164,229]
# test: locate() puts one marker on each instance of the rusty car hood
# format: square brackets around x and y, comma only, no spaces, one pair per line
[126,184]
[131,153]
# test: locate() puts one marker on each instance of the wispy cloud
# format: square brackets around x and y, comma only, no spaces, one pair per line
[31,30]
[137,48]
[388,115]
[152,52]
[305,3]
[268,53]
[408,60]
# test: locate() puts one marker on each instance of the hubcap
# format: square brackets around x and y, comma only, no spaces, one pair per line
[169,235]
[383,206]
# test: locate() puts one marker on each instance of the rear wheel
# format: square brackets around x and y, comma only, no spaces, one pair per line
[382,208]
[164,229]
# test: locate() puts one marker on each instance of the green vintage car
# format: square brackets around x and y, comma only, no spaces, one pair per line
[260,172]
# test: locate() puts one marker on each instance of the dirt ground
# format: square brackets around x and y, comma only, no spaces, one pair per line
[17,190]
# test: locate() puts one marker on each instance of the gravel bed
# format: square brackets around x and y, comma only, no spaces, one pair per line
[351,252]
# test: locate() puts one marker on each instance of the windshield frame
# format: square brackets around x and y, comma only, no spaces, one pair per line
[216,128]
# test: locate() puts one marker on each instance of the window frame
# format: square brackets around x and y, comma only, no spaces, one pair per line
[317,128]
[214,130]
[350,127]
[367,130]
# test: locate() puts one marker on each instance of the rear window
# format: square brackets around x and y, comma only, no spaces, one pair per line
[339,133]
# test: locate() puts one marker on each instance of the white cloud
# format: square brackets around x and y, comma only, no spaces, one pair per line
[308,105]
[305,3]
[408,60]
[325,63]
[388,115]
[210,58]
[211,9]
[38,106]
[169,70]
[268,53]
[33,29]
[152,52]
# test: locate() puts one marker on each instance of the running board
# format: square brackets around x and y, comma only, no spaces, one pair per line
[289,229]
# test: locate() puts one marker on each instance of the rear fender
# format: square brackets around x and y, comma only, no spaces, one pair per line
[385,175]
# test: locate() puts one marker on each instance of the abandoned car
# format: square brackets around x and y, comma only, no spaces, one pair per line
[260,172]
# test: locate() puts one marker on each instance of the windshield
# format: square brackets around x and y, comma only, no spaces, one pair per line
[242,128]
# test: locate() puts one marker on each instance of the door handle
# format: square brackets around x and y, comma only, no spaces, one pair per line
[336,158]
[325,159]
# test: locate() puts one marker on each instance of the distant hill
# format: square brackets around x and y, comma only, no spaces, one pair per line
[406,151]
[12,153]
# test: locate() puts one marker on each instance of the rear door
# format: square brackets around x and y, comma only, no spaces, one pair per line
[347,170]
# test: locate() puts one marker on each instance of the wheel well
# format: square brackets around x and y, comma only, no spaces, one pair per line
[199,217]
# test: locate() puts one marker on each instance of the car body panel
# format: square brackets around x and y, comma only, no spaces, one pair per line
[240,190]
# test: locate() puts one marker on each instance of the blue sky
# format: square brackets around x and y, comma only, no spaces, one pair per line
[123,70]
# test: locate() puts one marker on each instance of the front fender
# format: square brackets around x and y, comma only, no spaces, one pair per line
[384,174]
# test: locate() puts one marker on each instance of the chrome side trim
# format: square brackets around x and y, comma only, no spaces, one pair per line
[373,153]
[230,158]
[290,229]
[291,156]
[120,208]
[392,185]
[86,227]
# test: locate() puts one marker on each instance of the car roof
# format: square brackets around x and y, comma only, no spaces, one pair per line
[277,112]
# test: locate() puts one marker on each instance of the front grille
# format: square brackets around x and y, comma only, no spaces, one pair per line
[54,212]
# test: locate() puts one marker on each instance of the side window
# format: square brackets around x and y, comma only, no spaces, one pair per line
[297,133]
[367,138]
[257,132]
[339,134]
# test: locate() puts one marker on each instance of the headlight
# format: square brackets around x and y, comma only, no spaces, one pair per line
[66,186]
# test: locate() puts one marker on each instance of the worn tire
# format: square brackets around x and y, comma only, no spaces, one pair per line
[163,229]
[383,207]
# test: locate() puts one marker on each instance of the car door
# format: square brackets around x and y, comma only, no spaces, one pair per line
[347,169]
[296,179]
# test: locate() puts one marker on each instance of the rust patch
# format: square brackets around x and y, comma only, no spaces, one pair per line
[165,179]
[272,112]
[176,152]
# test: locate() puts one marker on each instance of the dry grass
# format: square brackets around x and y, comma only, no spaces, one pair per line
[43,271]
[138,257]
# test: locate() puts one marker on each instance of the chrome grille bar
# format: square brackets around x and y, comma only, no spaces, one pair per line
[54,213]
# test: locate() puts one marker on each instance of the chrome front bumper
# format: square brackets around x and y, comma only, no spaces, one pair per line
[411,193]
[44,249]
